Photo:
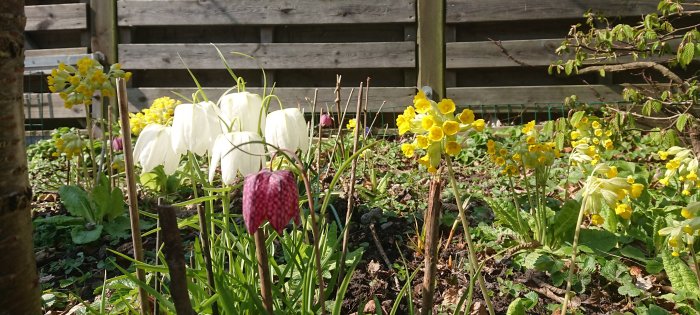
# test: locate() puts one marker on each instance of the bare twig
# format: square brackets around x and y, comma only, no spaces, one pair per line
[635,66]
[351,189]
[507,54]
[131,188]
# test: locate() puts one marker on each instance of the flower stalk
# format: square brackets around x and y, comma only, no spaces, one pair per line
[263,269]
[473,263]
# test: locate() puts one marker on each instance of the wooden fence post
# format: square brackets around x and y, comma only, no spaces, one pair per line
[431,46]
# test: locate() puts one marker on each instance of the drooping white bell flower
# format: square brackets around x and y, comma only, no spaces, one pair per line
[286,129]
[236,155]
[154,147]
[241,112]
[195,127]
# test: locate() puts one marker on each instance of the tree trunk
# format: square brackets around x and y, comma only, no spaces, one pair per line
[19,285]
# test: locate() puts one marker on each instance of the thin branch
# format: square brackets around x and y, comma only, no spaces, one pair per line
[635,66]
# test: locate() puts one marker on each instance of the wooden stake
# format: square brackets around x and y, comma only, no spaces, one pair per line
[131,188]
[432,232]
[351,189]
[175,257]
[263,270]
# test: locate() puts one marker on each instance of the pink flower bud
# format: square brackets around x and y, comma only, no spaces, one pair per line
[118,144]
[271,196]
[326,121]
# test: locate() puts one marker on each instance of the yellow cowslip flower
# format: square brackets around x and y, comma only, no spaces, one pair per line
[435,134]
[598,132]
[408,150]
[608,144]
[688,229]
[422,106]
[575,135]
[636,190]
[673,164]
[623,210]
[450,127]
[424,160]
[595,125]
[516,157]
[673,242]
[608,133]
[422,141]
[467,116]
[630,179]
[404,127]
[352,124]
[663,155]
[685,192]
[664,181]
[409,112]
[529,127]
[427,121]
[446,106]
[692,176]
[530,140]
[687,214]
[596,219]
[503,152]
[452,148]
[479,125]
[500,161]
[432,169]
[612,172]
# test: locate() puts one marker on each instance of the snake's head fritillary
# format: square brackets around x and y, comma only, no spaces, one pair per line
[271,196]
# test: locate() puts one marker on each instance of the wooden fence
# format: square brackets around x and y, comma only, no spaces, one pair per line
[497,51]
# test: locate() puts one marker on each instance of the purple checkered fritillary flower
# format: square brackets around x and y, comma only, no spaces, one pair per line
[271,196]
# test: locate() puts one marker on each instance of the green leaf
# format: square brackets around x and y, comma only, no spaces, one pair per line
[634,253]
[654,266]
[576,118]
[569,67]
[565,221]
[629,289]
[685,54]
[681,277]
[108,204]
[517,307]
[600,240]
[655,310]
[76,201]
[681,121]
[80,235]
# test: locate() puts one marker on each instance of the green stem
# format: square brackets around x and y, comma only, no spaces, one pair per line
[572,264]
[226,212]
[524,232]
[91,142]
[694,260]
[470,245]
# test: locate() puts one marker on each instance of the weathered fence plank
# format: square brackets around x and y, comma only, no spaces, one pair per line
[69,16]
[270,56]
[467,11]
[490,55]
[269,12]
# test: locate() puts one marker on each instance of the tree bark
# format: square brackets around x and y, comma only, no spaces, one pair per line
[19,282]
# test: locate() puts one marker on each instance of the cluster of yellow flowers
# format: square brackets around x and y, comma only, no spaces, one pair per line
[591,138]
[69,144]
[531,153]
[682,233]
[160,112]
[681,169]
[352,124]
[606,187]
[436,127]
[77,86]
